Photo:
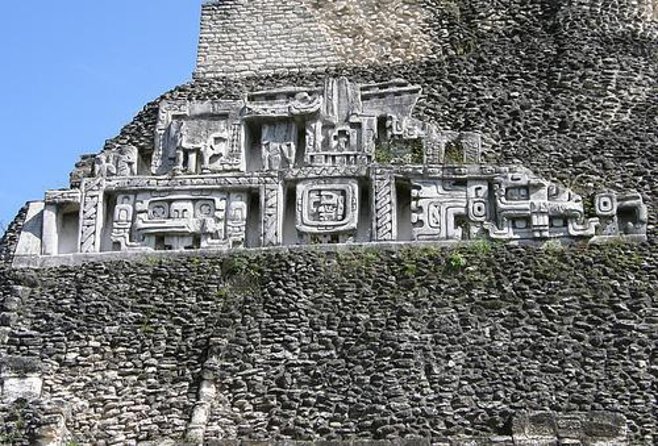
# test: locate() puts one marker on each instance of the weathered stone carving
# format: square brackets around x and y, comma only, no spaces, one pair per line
[198,137]
[127,161]
[178,220]
[327,210]
[436,208]
[528,207]
[500,205]
[104,165]
[272,215]
[121,162]
[621,215]
[279,145]
[91,215]
[333,164]
[385,225]
[68,196]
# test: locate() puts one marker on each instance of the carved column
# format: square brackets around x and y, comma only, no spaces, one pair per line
[272,205]
[91,215]
[384,221]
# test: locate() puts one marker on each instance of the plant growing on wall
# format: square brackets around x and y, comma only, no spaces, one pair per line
[399,152]
[454,153]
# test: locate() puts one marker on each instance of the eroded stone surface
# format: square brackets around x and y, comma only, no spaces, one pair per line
[406,345]
[21,387]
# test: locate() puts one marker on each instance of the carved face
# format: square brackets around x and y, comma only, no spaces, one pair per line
[327,205]
[181,210]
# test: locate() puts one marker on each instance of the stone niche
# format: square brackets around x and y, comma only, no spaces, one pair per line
[337,163]
[327,210]
[174,220]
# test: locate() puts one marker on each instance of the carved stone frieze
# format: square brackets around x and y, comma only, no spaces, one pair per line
[335,163]
[179,220]
[91,215]
[121,162]
[154,183]
[272,222]
[385,204]
[437,207]
[327,209]
[198,137]
[528,207]
[279,145]
[284,102]
[325,172]
[624,215]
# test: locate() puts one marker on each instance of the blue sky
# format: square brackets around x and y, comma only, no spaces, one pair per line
[73,73]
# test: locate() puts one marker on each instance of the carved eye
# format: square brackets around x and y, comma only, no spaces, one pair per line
[605,204]
[479,209]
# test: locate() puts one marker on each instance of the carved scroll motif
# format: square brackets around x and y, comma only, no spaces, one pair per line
[92,212]
[272,213]
[385,207]
[436,207]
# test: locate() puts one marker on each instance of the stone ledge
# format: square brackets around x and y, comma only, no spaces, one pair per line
[38,262]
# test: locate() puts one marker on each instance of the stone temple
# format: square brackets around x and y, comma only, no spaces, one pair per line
[362,223]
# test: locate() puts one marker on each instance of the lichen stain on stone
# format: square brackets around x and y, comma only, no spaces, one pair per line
[374,32]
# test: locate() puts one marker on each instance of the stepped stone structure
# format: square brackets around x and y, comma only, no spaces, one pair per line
[428,184]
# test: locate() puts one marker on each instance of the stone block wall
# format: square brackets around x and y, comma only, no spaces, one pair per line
[264,37]
[9,240]
[342,346]
[261,37]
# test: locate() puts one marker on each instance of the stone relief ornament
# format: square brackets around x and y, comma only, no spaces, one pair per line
[335,163]
[436,208]
[624,215]
[327,209]
[181,220]
[278,144]
[121,162]
[198,138]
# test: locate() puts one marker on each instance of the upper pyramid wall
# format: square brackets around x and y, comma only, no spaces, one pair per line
[261,37]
